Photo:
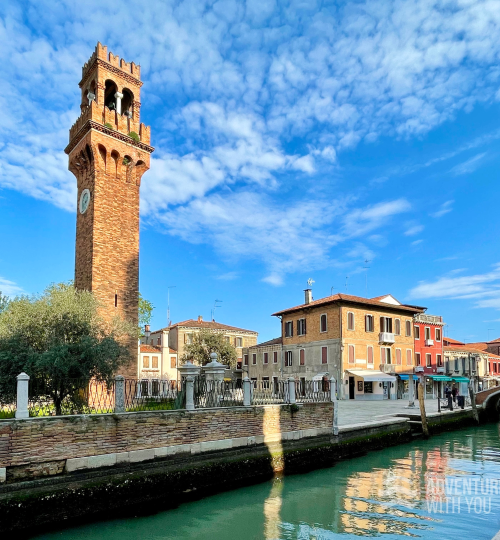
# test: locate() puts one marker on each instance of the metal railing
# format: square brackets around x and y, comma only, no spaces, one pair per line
[270,392]
[208,393]
[312,391]
[152,395]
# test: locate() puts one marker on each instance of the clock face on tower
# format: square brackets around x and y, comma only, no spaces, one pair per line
[84,201]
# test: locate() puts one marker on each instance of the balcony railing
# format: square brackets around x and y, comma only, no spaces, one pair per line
[432,319]
[386,337]
[387,368]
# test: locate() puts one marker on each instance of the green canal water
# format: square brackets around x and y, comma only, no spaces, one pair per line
[443,488]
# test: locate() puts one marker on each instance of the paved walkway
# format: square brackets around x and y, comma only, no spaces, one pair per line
[361,412]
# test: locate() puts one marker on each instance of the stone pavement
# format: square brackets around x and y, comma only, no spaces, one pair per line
[362,412]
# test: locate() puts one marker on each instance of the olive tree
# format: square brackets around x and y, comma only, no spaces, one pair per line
[206,342]
[56,338]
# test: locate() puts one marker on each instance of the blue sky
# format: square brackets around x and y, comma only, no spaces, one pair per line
[293,141]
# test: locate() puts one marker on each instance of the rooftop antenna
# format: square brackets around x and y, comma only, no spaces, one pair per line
[331,290]
[346,281]
[310,282]
[168,304]
[366,267]
[214,308]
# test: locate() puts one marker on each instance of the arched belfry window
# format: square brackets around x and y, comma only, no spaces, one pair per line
[127,102]
[109,95]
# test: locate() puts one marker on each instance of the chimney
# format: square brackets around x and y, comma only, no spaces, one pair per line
[200,318]
[308,296]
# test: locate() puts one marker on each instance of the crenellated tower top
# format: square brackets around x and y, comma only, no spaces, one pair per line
[111,101]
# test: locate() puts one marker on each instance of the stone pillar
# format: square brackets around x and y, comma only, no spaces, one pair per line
[22,396]
[118,96]
[190,393]
[247,392]
[120,394]
[291,390]
[214,370]
[411,392]
[189,369]
[333,397]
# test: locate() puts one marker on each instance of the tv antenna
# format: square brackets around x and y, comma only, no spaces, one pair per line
[310,282]
[214,308]
[331,290]
[168,303]
[346,283]
[366,267]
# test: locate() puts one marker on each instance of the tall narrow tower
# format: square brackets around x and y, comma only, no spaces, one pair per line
[109,151]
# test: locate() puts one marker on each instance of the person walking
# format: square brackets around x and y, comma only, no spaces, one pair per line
[454,392]
[446,391]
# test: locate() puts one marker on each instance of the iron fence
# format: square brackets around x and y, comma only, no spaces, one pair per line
[312,391]
[53,397]
[209,393]
[270,392]
[153,395]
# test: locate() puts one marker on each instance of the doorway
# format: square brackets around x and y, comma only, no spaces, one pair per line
[351,387]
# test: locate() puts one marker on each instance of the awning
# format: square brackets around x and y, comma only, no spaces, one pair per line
[372,375]
[460,379]
[320,376]
[439,377]
[405,377]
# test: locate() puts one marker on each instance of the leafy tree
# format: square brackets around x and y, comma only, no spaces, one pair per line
[4,301]
[55,337]
[145,312]
[206,342]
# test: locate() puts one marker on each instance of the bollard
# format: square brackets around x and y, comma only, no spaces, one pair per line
[22,396]
[119,394]
[190,393]
[291,390]
[247,392]
[333,397]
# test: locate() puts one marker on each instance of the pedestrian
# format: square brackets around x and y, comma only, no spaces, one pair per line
[446,391]
[454,392]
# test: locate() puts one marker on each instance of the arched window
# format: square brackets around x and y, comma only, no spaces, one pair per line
[102,154]
[109,95]
[127,102]
[115,160]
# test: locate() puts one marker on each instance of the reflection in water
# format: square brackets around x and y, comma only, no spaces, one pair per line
[272,437]
[400,491]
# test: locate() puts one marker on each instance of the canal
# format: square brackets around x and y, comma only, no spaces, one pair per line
[443,488]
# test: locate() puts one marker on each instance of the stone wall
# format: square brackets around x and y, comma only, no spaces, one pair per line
[38,447]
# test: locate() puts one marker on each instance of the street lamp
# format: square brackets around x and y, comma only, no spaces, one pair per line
[147,332]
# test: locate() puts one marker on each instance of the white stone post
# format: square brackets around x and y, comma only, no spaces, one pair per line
[118,97]
[411,393]
[291,390]
[22,396]
[333,397]
[190,393]
[247,392]
[119,394]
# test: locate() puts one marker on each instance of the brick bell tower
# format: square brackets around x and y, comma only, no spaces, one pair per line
[109,151]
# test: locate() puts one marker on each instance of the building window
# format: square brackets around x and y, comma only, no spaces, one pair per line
[323,323]
[254,359]
[154,362]
[495,368]
[438,334]
[417,359]
[302,357]
[350,320]
[398,357]
[369,326]
[265,383]
[439,360]
[456,363]
[145,361]
[288,358]
[473,364]
[427,332]
[301,327]
[417,332]
[351,354]
[408,357]
[289,329]
[188,339]
[275,357]
[428,360]
[238,342]
[397,327]
[386,324]
[266,358]
[245,359]
[324,355]
[369,354]
[408,328]
[227,339]
[254,382]
[173,363]
[385,355]
[368,387]
[158,341]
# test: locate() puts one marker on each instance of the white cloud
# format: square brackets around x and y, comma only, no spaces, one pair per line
[468,166]
[444,209]
[484,289]
[9,288]
[416,242]
[413,230]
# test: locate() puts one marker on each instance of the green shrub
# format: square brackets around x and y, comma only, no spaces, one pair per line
[133,135]
[108,125]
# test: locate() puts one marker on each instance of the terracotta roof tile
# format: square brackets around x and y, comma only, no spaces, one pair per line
[480,345]
[348,298]
[207,325]
[150,349]
[464,348]
[453,341]
[275,341]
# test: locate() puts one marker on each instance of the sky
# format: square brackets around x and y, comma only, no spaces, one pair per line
[356,144]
